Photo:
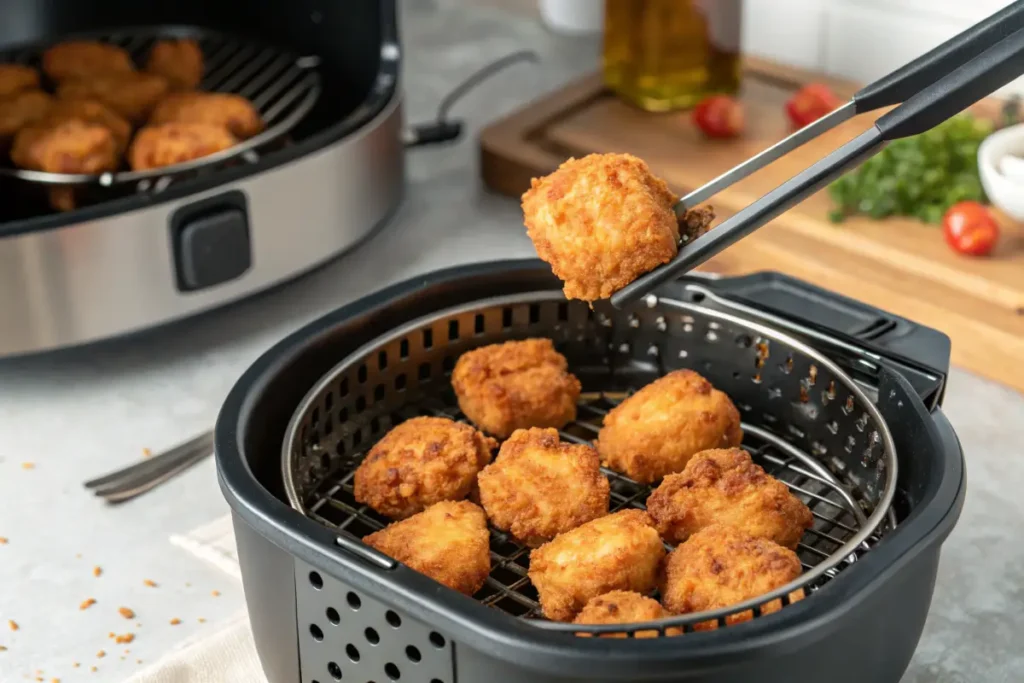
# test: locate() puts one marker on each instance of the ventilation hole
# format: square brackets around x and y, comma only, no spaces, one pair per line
[563,312]
[329,400]
[382,359]
[534,313]
[393,619]
[315,631]
[315,417]
[325,461]
[453,330]
[392,671]
[316,580]
[428,339]
[436,639]
[374,425]
[400,382]
[696,297]
[334,670]
[361,374]
[340,448]
[352,652]
[372,637]
[424,371]
[506,318]
[736,375]
[343,415]
[360,404]
[353,601]
[333,616]
[436,680]
[413,653]
[403,349]
[478,324]
[378,393]
[448,364]
[357,437]
[343,388]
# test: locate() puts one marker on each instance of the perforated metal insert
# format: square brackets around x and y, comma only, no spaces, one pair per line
[345,635]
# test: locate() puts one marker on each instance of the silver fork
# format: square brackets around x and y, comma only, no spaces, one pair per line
[134,480]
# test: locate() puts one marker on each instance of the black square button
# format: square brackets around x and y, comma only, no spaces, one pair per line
[211,246]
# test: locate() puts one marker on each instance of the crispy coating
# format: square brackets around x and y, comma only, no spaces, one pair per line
[721,566]
[22,109]
[132,95]
[657,430]
[179,61]
[601,222]
[71,146]
[91,111]
[85,59]
[621,551]
[233,112]
[448,542]
[623,607]
[175,143]
[725,486]
[539,487]
[421,462]
[15,78]
[516,385]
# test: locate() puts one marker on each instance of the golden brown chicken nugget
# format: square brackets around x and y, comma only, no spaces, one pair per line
[448,542]
[725,486]
[85,59]
[179,61]
[132,95]
[516,385]
[15,78]
[658,429]
[71,146]
[175,143]
[721,566]
[421,462]
[624,607]
[621,551]
[539,487]
[233,112]
[22,109]
[91,111]
[601,222]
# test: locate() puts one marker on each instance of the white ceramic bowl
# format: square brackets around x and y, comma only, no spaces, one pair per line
[1001,166]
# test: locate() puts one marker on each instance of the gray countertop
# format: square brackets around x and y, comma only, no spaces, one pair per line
[82,413]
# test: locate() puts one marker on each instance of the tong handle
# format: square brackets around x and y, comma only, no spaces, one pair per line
[915,76]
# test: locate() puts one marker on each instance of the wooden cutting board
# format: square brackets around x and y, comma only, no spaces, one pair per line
[899,265]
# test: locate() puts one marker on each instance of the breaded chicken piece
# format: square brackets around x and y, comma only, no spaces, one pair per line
[175,143]
[132,95]
[621,551]
[657,430]
[20,110]
[721,566]
[15,78]
[623,607]
[179,61]
[91,111]
[85,59]
[421,462]
[601,222]
[516,385]
[448,542]
[72,146]
[725,486]
[539,487]
[233,112]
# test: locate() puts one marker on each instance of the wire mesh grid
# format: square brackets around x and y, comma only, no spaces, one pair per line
[836,515]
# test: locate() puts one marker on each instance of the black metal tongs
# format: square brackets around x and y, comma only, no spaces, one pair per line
[932,88]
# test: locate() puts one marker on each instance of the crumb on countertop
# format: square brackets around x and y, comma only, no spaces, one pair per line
[75,664]
[215,593]
[175,621]
[78,556]
[12,624]
[124,638]
[101,654]
[138,661]
[3,540]
[87,603]
[202,620]
[146,452]
[188,585]
[126,612]
[28,465]
[92,669]
[97,570]
[149,582]
[111,634]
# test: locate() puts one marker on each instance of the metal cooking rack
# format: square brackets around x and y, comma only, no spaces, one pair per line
[837,517]
[282,86]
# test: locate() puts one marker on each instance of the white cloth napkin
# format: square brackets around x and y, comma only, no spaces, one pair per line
[229,655]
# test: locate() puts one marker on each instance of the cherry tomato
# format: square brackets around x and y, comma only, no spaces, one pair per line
[719,116]
[970,229]
[810,103]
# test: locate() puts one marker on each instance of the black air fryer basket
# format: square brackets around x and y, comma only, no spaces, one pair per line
[838,400]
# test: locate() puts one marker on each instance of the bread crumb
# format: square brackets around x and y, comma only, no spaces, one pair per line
[215,593]
[146,452]
[127,651]
[3,649]
[124,638]
[188,585]
[54,680]
[12,624]
[138,624]
[138,661]
[92,669]
[3,541]
[28,465]
[149,582]
[126,613]
[201,620]
[75,664]
[78,556]
[97,570]
[87,603]
[175,621]
[101,654]
[111,634]
[122,658]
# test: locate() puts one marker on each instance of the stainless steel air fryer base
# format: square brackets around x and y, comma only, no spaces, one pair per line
[94,280]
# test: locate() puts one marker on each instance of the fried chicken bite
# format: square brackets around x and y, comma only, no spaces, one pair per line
[91,111]
[725,486]
[15,78]
[85,59]
[658,429]
[601,222]
[516,385]
[621,551]
[71,146]
[539,487]
[448,542]
[233,112]
[22,109]
[421,462]
[175,143]
[179,61]
[623,607]
[721,566]
[132,94]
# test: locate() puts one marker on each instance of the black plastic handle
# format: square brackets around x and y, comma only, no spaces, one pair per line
[903,83]
[948,96]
